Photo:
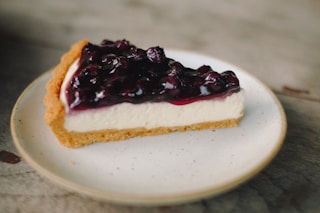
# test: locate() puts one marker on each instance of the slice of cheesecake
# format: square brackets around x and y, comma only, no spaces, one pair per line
[114,91]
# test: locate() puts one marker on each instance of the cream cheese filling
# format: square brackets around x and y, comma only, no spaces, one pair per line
[150,114]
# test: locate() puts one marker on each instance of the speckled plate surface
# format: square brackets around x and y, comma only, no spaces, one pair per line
[165,169]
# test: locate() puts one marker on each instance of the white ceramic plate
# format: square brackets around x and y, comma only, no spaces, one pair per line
[166,169]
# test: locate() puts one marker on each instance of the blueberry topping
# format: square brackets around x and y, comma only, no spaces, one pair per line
[117,71]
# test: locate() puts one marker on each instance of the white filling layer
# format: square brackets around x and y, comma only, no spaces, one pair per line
[150,115]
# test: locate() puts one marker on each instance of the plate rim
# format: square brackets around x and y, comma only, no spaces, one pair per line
[150,200]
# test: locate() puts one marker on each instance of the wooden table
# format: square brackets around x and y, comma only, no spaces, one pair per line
[277,41]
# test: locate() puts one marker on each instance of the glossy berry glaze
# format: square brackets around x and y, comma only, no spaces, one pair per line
[116,72]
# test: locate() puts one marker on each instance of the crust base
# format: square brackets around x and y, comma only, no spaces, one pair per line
[78,139]
[55,113]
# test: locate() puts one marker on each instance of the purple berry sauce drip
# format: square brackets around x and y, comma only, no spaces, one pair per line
[116,72]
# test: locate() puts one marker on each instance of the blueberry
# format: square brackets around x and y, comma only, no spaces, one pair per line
[108,59]
[107,42]
[171,85]
[156,54]
[122,45]
[204,69]
[230,79]
[214,81]
[211,76]
[89,50]
[136,54]
[176,68]
[113,63]
[170,82]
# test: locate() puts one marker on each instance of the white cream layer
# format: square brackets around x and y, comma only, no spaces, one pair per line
[150,115]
